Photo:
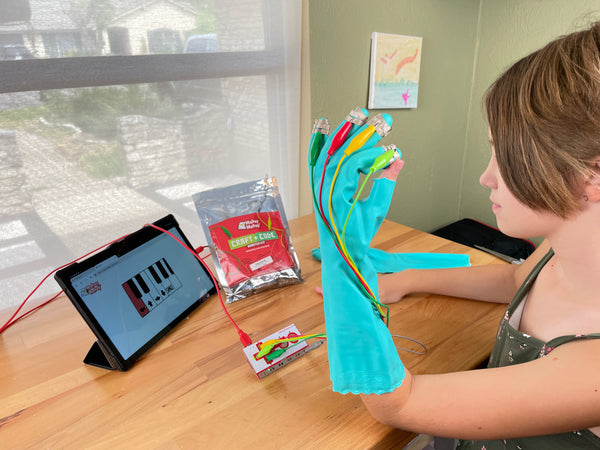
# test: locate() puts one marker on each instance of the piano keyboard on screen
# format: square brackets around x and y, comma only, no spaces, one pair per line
[151,286]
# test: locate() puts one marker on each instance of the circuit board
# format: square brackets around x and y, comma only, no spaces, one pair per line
[277,359]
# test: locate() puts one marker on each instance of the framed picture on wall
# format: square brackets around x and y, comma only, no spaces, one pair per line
[394,71]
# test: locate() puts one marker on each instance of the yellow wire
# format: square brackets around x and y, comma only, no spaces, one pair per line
[268,345]
[377,304]
[337,234]
[355,144]
[329,204]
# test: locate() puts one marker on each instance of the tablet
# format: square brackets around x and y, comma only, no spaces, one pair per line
[135,291]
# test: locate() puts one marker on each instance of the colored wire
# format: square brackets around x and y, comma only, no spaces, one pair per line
[335,240]
[268,346]
[228,272]
[356,143]
[339,137]
[423,346]
[342,247]
[380,162]
[352,147]
[356,198]
[330,207]
[319,208]
[244,338]
[316,143]
[270,227]
[12,319]
[380,306]
[25,314]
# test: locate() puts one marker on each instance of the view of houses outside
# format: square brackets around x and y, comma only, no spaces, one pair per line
[82,166]
[65,28]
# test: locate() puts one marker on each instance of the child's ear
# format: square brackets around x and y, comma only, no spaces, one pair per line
[591,188]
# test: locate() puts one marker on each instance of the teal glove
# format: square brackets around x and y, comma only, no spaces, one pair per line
[362,354]
[385,262]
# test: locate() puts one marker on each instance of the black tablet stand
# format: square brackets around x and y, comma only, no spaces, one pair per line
[99,358]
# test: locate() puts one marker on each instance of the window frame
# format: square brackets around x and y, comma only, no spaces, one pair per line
[273,63]
[90,71]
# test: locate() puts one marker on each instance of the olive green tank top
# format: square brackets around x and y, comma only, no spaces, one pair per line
[515,347]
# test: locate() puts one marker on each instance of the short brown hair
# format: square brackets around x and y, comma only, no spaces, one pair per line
[544,117]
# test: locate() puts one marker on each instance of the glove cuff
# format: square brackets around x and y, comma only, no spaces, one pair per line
[362,355]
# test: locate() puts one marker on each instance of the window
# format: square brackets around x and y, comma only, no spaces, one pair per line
[119,41]
[164,41]
[58,45]
[111,122]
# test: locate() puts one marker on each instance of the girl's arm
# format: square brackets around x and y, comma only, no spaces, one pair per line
[557,393]
[492,282]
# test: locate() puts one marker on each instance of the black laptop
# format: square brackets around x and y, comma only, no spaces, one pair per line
[135,291]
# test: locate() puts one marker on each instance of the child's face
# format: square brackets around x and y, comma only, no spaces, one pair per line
[513,217]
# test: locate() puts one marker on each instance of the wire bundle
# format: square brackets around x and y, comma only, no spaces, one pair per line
[375,125]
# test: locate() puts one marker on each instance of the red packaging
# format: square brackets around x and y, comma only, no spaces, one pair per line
[248,235]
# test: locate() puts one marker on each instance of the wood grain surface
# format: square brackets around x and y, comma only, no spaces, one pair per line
[195,389]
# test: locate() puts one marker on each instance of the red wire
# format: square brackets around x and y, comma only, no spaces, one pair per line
[339,138]
[322,214]
[7,325]
[10,321]
[243,336]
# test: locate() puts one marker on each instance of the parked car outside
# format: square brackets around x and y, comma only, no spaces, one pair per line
[201,43]
[14,52]
[200,91]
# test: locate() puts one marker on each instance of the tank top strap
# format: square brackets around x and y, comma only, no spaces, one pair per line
[557,341]
[526,286]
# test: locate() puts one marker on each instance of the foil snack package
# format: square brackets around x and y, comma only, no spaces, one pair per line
[249,238]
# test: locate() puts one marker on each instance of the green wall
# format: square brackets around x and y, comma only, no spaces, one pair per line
[466,45]
[430,137]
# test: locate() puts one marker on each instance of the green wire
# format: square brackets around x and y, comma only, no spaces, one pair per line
[373,300]
[357,197]
[316,204]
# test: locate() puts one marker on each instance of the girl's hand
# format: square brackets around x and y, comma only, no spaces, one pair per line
[392,287]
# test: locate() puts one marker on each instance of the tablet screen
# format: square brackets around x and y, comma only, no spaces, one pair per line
[134,292]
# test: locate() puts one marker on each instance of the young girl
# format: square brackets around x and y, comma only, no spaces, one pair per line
[542,387]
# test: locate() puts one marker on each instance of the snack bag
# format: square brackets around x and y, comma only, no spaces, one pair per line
[248,235]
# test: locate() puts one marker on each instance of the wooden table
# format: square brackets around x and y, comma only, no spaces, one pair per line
[195,389]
